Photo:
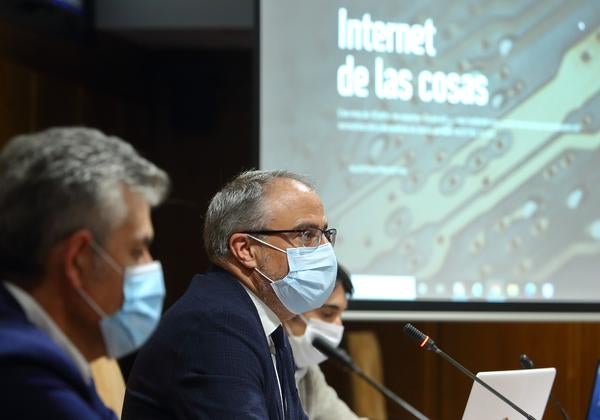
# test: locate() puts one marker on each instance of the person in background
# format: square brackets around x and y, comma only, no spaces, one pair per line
[319,400]
[220,351]
[77,280]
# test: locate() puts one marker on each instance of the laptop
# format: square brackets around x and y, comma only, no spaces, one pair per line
[594,406]
[527,388]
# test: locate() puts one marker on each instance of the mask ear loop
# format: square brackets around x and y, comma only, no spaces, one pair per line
[266,243]
[271,246]
[91,303]
[106,257]
[113,264]
[264,275]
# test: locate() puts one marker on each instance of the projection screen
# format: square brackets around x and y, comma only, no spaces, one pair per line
[455,144]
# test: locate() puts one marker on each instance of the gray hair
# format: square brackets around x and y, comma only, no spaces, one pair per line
[239,207]
[58,181]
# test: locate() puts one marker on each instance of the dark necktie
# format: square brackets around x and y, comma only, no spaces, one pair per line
[285,370]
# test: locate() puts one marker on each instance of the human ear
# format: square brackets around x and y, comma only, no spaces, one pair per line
[78,260]
[241,249]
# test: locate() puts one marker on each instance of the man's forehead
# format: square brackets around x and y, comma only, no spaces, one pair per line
[287,185]
[297,218]
[294,202]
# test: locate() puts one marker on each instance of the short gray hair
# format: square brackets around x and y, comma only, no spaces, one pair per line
[58,181]
[239,207]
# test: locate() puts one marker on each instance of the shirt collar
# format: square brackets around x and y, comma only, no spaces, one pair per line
[40,318]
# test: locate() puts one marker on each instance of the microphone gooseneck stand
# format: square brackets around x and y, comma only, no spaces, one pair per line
[527,363]
[428,344]
[343,358]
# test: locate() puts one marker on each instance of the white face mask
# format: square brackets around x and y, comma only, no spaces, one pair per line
[304,352]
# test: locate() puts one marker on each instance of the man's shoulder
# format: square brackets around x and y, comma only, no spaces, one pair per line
[314,375]
[38,373]
[213,292]
[320,400]
[23,343]
[39,381]
[210,330]
[27,347]
[31,363]
[18,336]
[215,305]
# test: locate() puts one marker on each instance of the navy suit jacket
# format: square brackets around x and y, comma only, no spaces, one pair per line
[208,359]
[38,380]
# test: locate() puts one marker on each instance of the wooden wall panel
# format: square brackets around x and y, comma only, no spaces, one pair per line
[440,391]
[17,98]
[58,102]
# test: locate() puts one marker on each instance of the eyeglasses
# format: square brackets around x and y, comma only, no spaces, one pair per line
[307,237]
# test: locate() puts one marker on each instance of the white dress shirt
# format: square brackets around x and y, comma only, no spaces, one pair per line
[269,322]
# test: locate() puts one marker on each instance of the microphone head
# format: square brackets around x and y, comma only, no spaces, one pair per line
[526,362]
[323,346]
[332,352]
[423,339]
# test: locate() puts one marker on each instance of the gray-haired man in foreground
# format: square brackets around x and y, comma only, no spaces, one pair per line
[76,277]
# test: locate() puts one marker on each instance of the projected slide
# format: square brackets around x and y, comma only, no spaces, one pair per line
[456,144]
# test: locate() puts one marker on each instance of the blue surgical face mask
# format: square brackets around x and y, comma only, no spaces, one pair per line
[143,295]
[310,280]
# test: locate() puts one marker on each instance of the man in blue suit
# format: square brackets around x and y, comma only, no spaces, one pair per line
[76,278]
[220,352]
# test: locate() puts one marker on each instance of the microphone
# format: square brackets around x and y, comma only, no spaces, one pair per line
[428,344]
[527,363]
[344,358]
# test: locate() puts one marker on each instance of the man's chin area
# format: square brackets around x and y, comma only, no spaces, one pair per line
[276,306]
